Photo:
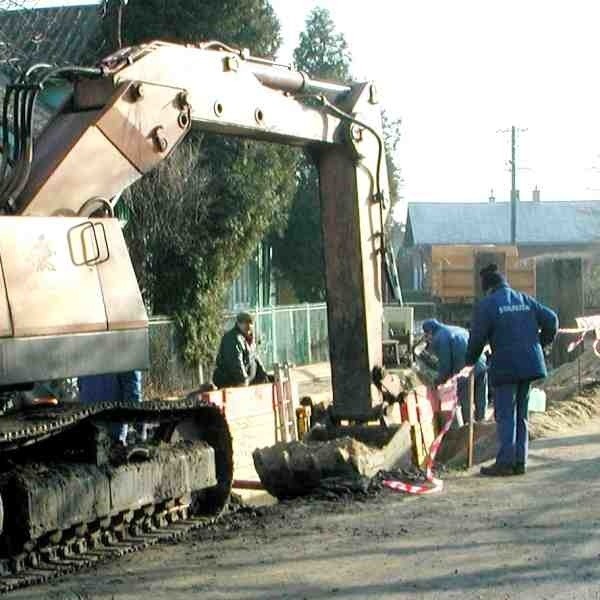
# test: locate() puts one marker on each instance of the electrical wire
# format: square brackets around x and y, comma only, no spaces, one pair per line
[23,95]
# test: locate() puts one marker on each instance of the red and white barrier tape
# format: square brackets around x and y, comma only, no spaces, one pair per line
[585,325]
[434,485]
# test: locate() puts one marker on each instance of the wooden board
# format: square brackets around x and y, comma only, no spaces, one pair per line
[250,414]
[419,454]
[455,270]
[428,434]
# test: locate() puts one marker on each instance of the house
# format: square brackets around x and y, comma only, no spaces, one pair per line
[554,244]
[438,231]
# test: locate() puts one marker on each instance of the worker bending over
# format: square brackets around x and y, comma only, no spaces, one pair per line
[449,345]
[517,327]
[238,363]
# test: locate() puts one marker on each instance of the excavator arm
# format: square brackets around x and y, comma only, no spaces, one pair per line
[69,301]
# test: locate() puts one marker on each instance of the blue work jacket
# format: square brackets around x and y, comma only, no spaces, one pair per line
[449,344]
[516,327]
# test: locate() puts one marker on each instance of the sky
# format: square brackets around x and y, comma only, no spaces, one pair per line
[458,71]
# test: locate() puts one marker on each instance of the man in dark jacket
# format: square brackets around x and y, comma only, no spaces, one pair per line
[449,345]
[237,361]
[517,327]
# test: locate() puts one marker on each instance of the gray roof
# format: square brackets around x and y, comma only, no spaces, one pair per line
[538,223]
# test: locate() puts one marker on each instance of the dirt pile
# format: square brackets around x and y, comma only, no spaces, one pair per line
[562,414]
[568,379]
[294,469]
[349,461]
[573,396]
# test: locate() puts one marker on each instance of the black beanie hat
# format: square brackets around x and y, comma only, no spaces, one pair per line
[490,277]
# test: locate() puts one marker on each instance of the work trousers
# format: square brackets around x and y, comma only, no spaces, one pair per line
[481,393]
[511,403]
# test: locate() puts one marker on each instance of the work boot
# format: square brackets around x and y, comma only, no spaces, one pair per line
[520,469]
[497,470]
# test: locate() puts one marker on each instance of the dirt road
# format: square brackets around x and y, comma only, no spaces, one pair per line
[532,537]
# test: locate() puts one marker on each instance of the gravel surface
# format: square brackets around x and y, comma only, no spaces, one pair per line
[529,537]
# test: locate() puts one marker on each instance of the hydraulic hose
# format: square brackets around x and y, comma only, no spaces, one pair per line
[387,254]
[24,95]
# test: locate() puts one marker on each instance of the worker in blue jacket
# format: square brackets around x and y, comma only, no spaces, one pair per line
[516,327]
[449,345]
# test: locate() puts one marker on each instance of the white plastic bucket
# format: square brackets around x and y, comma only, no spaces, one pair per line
[537,400]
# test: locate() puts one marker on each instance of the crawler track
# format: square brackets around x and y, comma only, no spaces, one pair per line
[45,439]
[98,543]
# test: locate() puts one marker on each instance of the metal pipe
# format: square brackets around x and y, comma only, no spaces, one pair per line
[288,80]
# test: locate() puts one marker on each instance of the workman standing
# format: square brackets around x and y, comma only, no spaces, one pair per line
[449,345]
[516,327]
[238,363]
[113,387]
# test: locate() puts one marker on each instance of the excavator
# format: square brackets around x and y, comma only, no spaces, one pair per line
[70,303]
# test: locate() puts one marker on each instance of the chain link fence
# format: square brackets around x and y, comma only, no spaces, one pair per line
[295,334]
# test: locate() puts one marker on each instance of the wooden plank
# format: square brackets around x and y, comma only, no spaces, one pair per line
[424,409]
[428,434]
[419,453]
[249,433]
[248,401]
[471,419]
[409,411]
[6,328]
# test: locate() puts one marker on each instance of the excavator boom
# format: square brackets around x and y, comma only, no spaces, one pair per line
[67,284]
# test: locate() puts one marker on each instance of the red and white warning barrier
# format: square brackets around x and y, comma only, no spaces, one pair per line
[585,325]
[448,394]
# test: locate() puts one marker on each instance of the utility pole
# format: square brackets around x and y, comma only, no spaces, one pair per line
[513,185]
[513,162]
[514,192]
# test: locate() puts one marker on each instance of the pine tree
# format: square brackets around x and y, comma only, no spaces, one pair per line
[298,254]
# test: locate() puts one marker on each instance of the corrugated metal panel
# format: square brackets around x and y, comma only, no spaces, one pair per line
[449,223]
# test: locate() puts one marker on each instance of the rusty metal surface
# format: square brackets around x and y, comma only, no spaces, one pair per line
[353,270]
[132,120]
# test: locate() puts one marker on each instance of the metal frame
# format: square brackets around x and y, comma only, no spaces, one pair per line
[61,356]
